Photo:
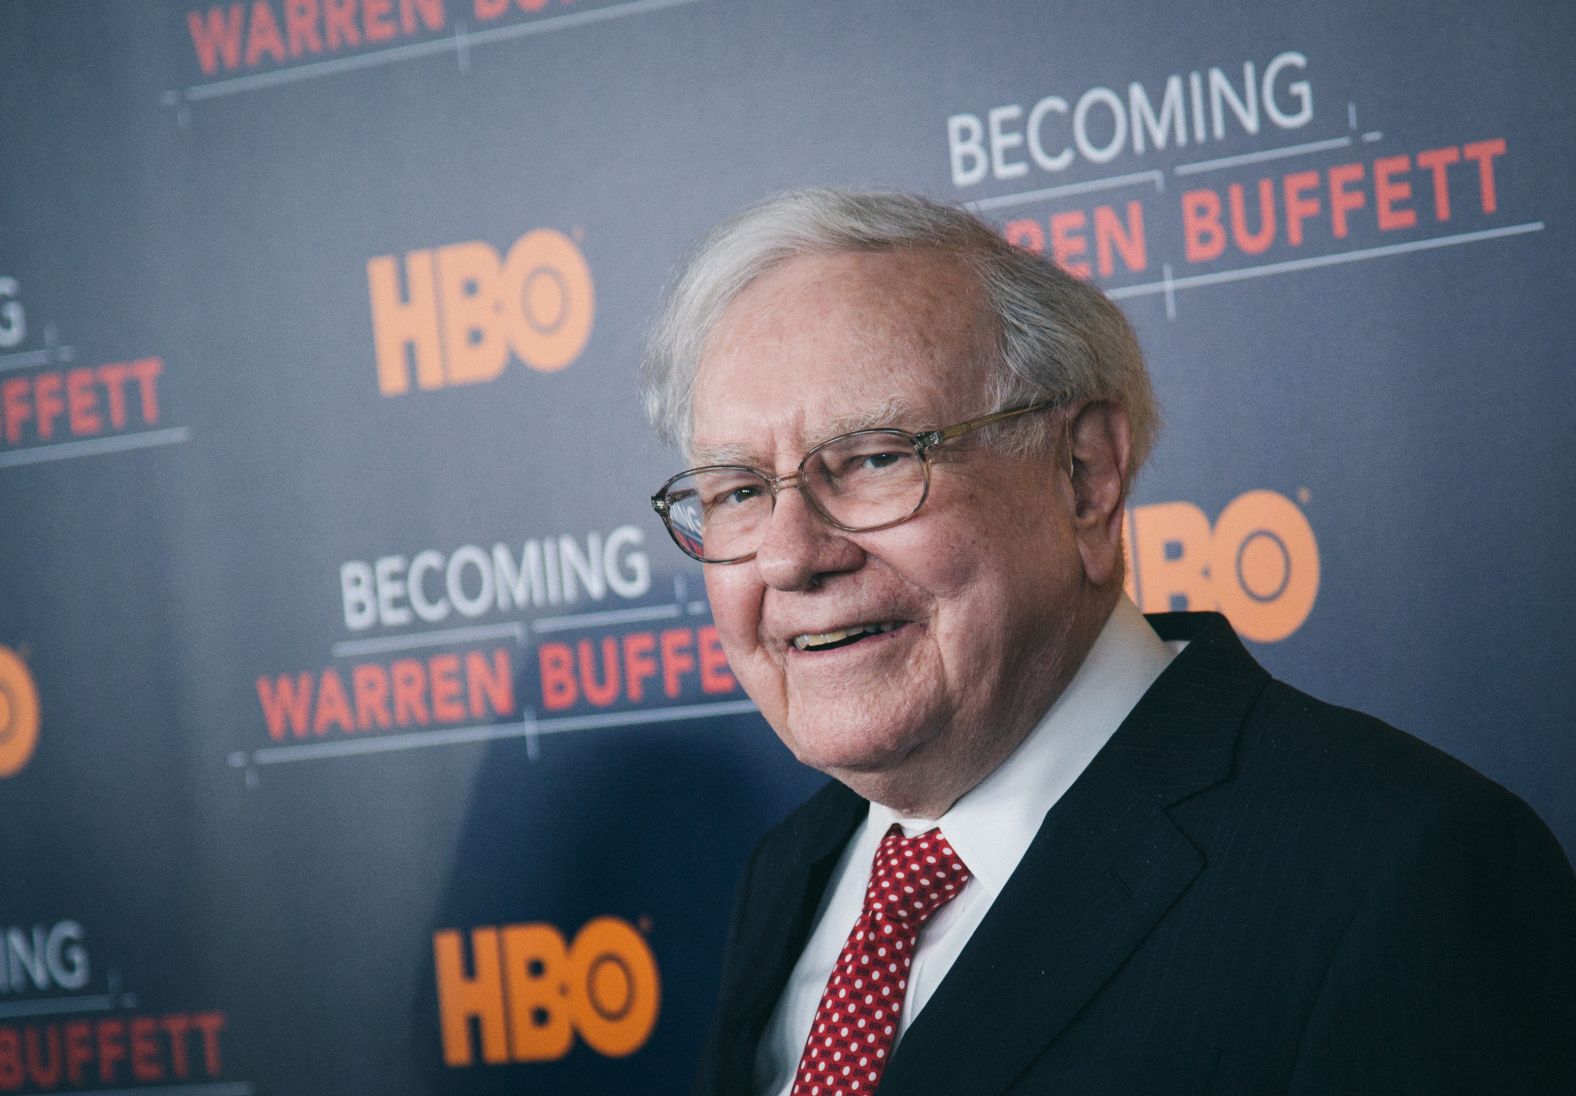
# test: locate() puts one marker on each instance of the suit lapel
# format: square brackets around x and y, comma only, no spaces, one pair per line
[1107,864]
[780,911]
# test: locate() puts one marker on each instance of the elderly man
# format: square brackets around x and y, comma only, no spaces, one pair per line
[1066,848]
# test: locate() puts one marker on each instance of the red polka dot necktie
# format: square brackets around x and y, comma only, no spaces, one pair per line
[851,1036]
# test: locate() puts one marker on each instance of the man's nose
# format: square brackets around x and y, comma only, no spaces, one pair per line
[799,546]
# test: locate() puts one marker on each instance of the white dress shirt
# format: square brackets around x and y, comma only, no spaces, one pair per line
[990,828]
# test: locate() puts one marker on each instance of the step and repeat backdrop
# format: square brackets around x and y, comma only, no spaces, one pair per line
[360,730]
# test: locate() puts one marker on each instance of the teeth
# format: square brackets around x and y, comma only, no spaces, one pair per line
[822,639]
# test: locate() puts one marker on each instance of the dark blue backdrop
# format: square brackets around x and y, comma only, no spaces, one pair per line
[194,447]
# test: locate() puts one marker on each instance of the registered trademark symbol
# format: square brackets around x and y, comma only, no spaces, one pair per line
[577,234]
[1304,495]
[644,924]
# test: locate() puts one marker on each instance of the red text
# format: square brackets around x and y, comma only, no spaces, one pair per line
[633,668]
[113,1050]
[408,692]
[83,402]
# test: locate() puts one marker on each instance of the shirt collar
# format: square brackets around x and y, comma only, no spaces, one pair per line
[992,825]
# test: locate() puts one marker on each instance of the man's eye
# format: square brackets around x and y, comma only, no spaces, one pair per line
[859,465]
[736,496]
[874,462]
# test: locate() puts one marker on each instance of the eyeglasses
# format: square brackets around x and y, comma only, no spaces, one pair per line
[858,482]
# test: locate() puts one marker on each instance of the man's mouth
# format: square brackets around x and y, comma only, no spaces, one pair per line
[842,637]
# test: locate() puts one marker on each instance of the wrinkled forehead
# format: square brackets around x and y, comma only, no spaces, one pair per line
[823,344]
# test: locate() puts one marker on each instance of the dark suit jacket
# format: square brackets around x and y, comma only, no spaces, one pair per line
[1247,891]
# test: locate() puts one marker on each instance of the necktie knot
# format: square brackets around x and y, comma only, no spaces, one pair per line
[913,877]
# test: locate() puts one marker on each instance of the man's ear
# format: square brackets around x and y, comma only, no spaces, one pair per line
[1100,441]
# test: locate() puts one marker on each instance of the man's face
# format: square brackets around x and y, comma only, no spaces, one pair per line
[981,595]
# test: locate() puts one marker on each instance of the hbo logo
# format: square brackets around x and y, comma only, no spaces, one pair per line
[530,992]
[463,308]
[1258,564]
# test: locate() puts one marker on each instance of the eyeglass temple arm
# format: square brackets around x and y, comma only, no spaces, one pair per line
[933,438]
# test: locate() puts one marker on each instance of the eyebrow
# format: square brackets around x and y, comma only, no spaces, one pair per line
[889,413]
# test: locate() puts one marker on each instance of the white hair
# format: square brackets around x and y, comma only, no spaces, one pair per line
[1058,338]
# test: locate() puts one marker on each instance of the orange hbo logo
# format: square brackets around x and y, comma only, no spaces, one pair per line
[18,713]
[1258,564]
[462,309]
[529,991]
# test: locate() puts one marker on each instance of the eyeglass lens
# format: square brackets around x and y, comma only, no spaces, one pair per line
[859,481]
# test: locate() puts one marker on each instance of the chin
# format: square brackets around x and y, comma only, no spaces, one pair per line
[856,750]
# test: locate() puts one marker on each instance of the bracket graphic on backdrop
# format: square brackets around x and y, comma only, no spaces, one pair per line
[52,408]
[1275,219]
[72,1028]
[600,680]
[223,39]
